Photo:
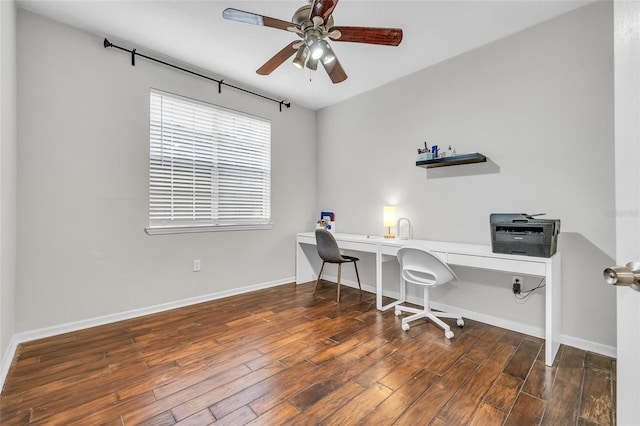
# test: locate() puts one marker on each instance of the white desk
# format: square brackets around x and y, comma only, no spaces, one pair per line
[470,255]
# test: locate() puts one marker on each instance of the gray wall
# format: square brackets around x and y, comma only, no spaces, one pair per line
[539,105]
[8,141]
[83,185]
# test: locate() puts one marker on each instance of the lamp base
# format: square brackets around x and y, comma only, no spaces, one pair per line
[389,233]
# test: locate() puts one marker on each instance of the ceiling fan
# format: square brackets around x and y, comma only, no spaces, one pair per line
[314,24]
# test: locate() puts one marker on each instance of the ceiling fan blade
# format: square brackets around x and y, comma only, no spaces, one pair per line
[255,19]
[334,68]
[322,9]
[278,59]
[371,35]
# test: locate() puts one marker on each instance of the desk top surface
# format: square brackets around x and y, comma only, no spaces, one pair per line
[442,246]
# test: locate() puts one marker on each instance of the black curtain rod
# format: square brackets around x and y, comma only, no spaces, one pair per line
[221,83]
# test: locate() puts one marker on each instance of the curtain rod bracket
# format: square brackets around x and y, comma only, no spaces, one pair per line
[106,43]
[287,104]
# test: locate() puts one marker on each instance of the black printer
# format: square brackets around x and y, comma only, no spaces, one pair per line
[520,233]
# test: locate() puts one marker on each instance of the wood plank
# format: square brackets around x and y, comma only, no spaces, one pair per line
[452,353]
[598,361]
[427,406]
[326,385]
[523,359]
[290,386]
[504,391]
[527,410]
[215,375]
[462,405]
[334,351]
[241,416]
[379,370]
[562,406]
[479,351]
[366,347]
[276,415]
[571,366]
[201,418]
[325,407]
[162,419]
[486,415]
[359,407]
[540,380]
[234,394]
[596,397]
[393,407]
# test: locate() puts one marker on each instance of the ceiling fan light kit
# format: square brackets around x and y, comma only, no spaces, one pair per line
[314,24]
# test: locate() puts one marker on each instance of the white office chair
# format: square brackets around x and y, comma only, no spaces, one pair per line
[420,267]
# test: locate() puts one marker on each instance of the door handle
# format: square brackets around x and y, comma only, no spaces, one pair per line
[628,275]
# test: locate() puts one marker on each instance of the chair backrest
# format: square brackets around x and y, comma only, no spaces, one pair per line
[419,266]
[327,247]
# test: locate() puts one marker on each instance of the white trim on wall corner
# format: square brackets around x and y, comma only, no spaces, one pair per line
[7,360]
[29,336]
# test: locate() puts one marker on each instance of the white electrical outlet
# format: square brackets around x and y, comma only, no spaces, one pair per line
[196,265]
[517,279]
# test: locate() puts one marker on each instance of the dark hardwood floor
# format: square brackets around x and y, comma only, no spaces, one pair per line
[284,356]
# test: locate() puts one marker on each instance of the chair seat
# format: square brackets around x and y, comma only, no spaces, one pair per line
[422,268]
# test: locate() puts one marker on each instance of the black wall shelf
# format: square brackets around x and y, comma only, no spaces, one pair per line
[452,161]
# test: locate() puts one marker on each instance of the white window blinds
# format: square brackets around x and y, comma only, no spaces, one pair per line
[210,168]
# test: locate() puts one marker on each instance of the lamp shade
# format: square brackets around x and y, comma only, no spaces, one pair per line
[389,216]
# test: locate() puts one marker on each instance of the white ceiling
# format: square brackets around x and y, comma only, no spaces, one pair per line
[195,33]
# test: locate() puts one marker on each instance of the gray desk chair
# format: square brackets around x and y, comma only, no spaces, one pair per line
[330,253]
[420,267]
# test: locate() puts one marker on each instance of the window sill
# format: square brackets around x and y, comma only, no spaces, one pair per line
[160,230]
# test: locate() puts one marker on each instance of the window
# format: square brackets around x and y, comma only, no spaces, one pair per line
[209,169]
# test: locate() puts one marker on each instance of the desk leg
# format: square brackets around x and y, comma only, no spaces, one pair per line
[304,267]
[379,284]
[553,313]
[379,279]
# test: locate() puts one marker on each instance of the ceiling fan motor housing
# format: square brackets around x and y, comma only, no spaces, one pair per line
[301,18]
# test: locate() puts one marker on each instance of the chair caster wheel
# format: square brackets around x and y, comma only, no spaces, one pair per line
[448,334]
[460,323]
[398,312]
[405,327]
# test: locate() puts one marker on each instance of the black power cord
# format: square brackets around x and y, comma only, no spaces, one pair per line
[523,294]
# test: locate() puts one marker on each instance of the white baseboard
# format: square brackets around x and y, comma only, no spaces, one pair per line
[28,336]
[7,360]
[587,345]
